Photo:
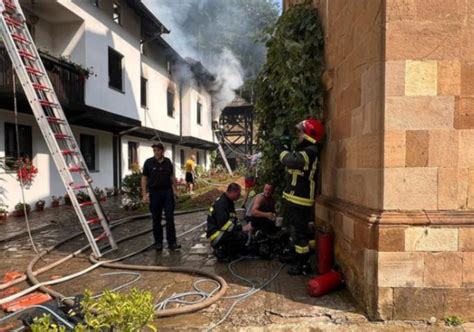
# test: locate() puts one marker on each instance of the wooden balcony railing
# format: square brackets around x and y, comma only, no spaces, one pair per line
[68,81]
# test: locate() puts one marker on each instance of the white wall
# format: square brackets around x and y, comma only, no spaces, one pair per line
[204,156]
[191,96]
[145,151]
[47,182]
[155,115]
[100,33]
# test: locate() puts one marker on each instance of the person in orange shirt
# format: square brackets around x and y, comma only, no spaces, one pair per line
[190,167]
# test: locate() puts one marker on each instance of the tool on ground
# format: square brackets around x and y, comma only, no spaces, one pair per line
[52,121]
[321,285]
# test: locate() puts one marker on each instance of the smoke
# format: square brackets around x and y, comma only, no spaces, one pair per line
[180,17]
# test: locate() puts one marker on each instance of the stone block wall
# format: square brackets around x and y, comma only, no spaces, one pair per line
[353,157]
[428,161]
[398,167]
[429,94]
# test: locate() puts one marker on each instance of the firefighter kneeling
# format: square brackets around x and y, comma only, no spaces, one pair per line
[226,235]
[299,192]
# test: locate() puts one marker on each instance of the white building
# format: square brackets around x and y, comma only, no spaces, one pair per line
[132,99]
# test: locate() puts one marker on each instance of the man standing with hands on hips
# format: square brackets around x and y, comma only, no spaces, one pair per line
[159,189]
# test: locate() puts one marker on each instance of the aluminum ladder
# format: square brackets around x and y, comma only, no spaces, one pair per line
[53,124]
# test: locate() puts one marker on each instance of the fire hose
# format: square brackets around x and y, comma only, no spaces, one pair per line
[110,263]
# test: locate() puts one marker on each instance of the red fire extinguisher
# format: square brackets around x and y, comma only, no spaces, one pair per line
[321,285]
[325,252]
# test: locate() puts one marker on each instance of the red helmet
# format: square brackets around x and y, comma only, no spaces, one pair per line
[313,130]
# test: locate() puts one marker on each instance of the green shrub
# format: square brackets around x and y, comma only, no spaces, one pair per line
[132,311]
[132,192]
[453,321]
[289,87]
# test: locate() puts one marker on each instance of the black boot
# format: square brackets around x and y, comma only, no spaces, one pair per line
[301,266]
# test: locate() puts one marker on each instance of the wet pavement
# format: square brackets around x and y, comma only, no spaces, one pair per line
[283,305]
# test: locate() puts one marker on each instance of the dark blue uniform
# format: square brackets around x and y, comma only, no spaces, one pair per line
[160,188]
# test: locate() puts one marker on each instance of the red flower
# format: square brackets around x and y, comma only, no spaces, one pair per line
[26,172]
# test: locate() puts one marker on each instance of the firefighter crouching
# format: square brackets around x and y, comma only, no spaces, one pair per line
[226,235]
[299,192]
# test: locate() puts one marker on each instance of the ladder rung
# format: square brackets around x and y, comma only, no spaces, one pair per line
[79,186]
[75,169]
[101,237]
[9,5]
[20,39]
[93,221]
[14,22]
[52,119]
[40,87]
[34,71]
[27,55]
[68,152]
[61,136]
[47,103]
[88,203]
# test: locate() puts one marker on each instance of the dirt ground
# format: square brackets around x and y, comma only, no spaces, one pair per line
[282,306]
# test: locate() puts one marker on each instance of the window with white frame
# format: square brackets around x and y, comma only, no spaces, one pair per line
[199,110]
[25,144]
[115,70]
[132,154]
[88,150]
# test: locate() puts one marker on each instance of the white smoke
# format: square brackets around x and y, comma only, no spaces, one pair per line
[225,67]
[229,77]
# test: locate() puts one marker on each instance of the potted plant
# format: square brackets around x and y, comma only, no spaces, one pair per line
[100,194]
[55,201]
[82,197]
[20,209]
[3,211]
[40,205]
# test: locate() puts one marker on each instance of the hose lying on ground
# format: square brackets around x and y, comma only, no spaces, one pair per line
[81,250]
[111,264]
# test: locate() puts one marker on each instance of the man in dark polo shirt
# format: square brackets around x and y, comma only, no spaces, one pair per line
[159,188]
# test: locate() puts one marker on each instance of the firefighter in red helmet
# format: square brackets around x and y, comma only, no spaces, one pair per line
[300,189]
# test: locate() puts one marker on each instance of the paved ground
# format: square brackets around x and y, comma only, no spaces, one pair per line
[283,305]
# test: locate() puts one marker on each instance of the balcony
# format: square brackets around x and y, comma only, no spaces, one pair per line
[68,81]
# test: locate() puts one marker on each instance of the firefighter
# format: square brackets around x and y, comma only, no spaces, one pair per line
[299,192]
[226,235]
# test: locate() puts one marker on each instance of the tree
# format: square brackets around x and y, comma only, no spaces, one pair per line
[288,88]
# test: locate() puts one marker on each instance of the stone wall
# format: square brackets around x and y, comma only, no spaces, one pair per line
[398,167]
[428,161]
[352,160]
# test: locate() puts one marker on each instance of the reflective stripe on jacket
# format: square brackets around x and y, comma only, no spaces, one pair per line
[301,166]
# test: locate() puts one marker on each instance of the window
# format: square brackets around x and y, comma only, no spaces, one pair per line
[116,16]
[144,83]
[198,158]
[25,143]
[115,70]
[199,106]
[132,154]
[181,157]
[170,103]
[87,143]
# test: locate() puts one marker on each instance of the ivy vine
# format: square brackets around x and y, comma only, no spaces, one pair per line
[288,88]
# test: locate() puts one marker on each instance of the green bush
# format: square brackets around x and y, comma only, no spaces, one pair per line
[289,87]
[113,311]
[132,192]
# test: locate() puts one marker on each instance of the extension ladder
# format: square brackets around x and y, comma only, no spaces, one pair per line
[52,122]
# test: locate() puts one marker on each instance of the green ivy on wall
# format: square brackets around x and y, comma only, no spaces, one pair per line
[288,88]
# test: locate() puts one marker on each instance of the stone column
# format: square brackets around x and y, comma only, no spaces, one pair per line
[398,167]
